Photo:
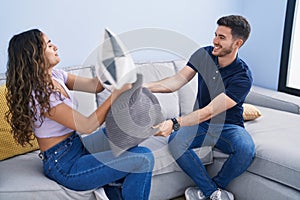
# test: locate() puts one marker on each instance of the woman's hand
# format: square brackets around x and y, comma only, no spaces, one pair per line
[164,129]
[117,92]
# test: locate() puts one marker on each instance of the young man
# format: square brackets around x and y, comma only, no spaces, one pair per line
[224,81]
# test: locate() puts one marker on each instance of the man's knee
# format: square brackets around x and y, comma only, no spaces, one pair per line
[178,144]
[247,149]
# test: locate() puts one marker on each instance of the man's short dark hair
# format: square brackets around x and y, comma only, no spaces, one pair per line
[240,27]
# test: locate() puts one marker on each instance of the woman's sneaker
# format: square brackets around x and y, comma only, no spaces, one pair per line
[193,193]
[221,195]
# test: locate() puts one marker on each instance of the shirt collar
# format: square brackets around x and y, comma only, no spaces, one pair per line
[230,66]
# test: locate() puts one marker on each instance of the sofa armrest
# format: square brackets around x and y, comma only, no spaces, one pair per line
[273,99]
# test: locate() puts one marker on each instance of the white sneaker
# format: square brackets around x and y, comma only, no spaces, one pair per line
[194,193]
[221,195]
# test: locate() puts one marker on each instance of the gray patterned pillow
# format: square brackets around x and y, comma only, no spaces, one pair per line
[132,117]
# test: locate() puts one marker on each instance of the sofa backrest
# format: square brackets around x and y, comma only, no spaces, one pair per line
[87,102]
[174,104]
[273,99]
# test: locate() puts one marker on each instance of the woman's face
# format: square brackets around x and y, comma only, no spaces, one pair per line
[51,52]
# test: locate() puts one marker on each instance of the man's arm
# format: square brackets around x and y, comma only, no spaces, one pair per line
[91,85]
[218,105]
[172,83]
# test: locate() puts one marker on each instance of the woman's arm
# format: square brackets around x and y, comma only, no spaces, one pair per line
[72,119]
[91,85]
[172,83]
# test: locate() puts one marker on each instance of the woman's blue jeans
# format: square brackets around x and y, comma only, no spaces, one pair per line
[87,163]
[230,139]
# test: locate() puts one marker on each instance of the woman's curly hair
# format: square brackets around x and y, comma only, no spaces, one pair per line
[28,83]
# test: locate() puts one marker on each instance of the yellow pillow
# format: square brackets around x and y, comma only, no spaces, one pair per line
[250,112]
[8,146]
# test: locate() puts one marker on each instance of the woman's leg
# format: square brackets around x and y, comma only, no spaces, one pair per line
[72,166]
[137,184]
[135,166]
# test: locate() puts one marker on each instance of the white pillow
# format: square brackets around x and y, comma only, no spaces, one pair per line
[114,66]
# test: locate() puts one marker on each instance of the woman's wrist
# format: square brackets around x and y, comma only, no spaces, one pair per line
[117,92]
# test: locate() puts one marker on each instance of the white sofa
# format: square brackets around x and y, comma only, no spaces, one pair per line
[274,174]
[21,177]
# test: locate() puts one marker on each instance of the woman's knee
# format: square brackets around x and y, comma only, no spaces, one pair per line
[145,154]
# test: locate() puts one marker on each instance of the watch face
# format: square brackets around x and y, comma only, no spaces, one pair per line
[176,127]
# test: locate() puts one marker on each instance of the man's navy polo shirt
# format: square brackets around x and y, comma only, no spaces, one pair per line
[235,81]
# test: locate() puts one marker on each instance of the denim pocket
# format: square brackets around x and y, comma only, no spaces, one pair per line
[62,151]
[60,158]
[48,166]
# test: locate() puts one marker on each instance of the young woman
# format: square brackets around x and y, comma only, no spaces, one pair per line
[41,106]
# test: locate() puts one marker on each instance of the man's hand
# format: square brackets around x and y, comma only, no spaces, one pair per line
[164,129]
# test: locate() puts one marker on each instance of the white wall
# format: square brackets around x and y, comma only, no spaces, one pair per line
[263,50]
[76,26]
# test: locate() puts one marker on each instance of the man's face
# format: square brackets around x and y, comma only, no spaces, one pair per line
[223,42]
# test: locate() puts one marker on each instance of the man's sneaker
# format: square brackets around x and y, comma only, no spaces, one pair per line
[193,193]
[221,195]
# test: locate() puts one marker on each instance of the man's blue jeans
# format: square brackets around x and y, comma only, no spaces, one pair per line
[71,164]
[230,139]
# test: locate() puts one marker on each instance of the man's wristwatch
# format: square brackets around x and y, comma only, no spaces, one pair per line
[176,125]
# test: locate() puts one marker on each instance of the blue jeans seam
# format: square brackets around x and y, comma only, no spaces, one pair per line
[60,169]
[199,167]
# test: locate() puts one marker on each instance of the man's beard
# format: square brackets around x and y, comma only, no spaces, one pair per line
[225,51]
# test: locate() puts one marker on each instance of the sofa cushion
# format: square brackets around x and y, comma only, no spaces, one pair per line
[164,162]
[276,136]
[8,146]
[249,186]
[24,179]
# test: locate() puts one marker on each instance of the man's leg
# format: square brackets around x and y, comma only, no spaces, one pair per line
[180,146]
[235,141]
